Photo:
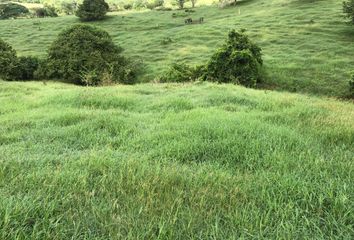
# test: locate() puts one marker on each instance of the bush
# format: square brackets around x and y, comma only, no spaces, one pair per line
[152,4]
[25,68]
[12,10]
[128,6]
[13,67]
[181,72]
[238,61]
[351,86]
[46,11]
[8,60]
[68,8]
[86,55]
[348,9]
[91,10]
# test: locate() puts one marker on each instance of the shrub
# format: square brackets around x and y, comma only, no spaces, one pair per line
[91,10]
[13,67]
[348,9]
[84,54]
[12,10]
[238,61]
[25,68]
[128,6]
[46,11]
[68,8]
[351,86]
[152,4]
[180,72]
[8,60]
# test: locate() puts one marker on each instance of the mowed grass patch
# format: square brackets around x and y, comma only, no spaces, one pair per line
[173,161]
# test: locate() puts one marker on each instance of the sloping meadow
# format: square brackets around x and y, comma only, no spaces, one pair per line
[173,161]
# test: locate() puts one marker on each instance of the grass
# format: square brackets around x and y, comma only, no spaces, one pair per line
[169,161]
[307,46]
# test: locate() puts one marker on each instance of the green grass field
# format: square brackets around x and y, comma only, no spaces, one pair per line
[307,45]
[185,161]
[169,161]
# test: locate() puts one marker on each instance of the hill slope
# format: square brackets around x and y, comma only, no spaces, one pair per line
[307,46]
[173,162]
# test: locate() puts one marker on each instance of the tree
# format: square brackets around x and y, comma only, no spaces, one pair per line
[91,10]
[180,3]
[86,55]
[193,3]
[348,9]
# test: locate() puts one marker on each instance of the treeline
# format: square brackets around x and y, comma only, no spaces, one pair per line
[69,6]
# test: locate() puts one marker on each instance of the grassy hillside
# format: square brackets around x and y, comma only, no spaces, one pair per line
[307,46]
[155,161]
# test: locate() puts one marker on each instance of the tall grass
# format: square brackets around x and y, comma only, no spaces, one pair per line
[168,161]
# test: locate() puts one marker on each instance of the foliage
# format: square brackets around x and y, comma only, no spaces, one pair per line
[8,60]
[83,54]
[25,68]
[152,4]
[91,10]
[180,72]
[68,8]
[348,9]
[13,67]
[351,85]
[287,67]
[180,3]
[238,61]
[46,11]
[227,3]
[128,6]
[12,10]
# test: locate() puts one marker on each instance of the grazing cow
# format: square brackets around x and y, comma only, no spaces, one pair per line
[188,21]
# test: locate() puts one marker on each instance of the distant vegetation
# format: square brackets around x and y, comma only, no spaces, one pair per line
[238,61]
[16,68]
[86,55]
[8,60]
[91,10]
[12,10]
[348,8]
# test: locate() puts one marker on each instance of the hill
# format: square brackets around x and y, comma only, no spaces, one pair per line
[306,44]
[169,161]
